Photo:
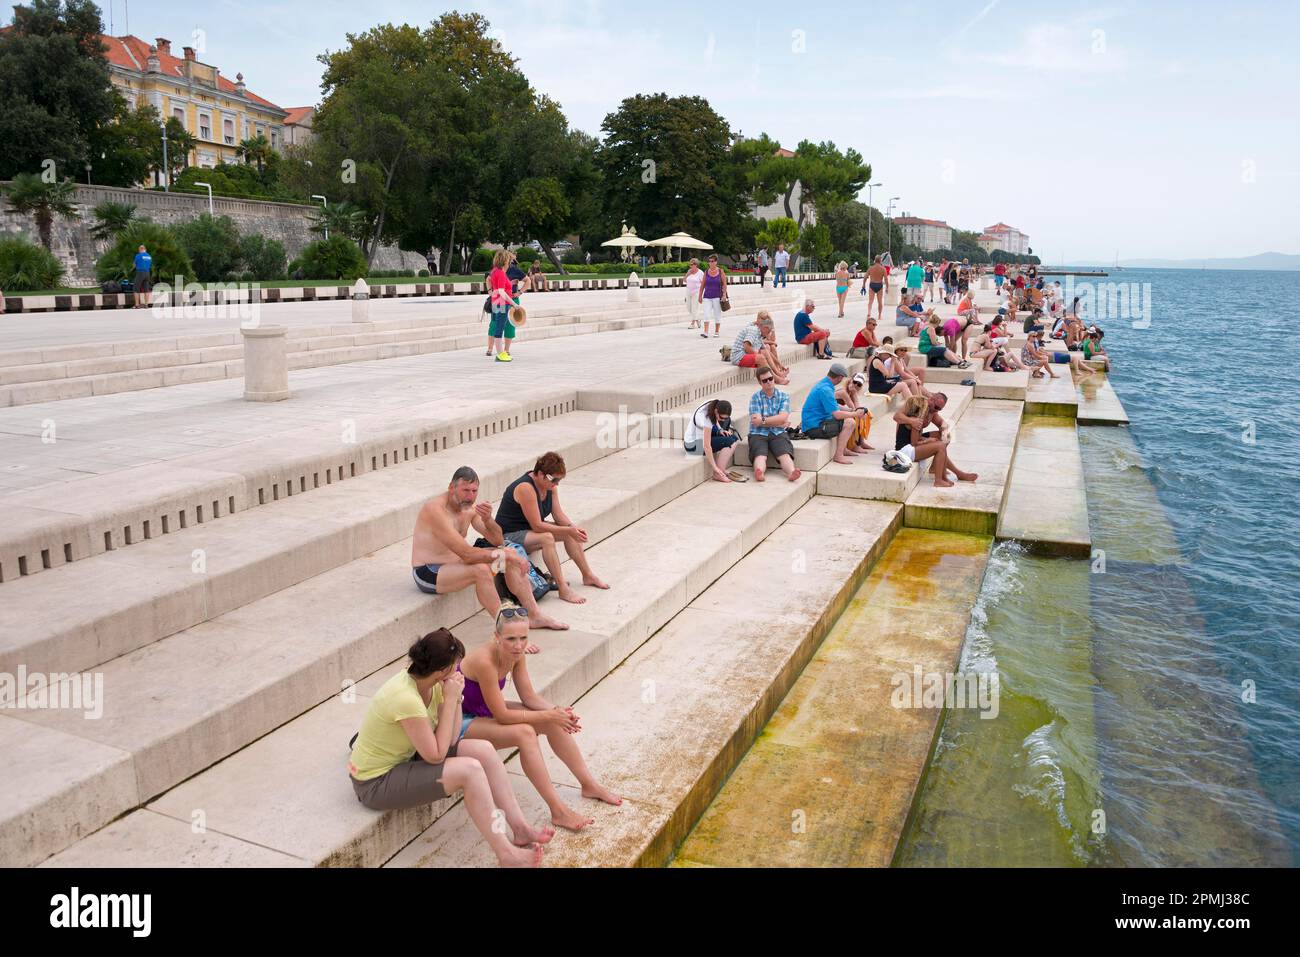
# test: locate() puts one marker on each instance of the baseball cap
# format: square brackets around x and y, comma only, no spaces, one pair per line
[838,370]
[859,378]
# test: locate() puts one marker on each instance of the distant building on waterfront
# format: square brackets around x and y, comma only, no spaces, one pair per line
[1004,237]
[926,234]
[219,113]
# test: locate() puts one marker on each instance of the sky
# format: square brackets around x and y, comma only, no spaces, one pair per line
[1132,129]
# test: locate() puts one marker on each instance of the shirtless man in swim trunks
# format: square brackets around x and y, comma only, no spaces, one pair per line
[877,278]
[442,561]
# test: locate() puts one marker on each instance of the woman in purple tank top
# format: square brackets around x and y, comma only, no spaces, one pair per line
[712,292]
[488,716]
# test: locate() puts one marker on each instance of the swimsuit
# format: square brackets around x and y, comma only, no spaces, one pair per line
[426,578]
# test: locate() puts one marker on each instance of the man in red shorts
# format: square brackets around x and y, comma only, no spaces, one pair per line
[749,351]
[806,334]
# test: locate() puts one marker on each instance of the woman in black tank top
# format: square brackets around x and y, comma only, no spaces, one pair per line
[510,516]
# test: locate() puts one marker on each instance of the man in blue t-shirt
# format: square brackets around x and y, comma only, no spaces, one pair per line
[823,418]
[806,334]
[143,282]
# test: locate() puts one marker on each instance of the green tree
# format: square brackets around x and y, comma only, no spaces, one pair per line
[27,267]
[123,152]
[111,218]
[782,229]
[540,210]
[335,258]
[170,263]
[256,149]
[54,86]
[28,194]
[212,245]
[815,241]
[665,166]
[261,258]
[342,219]
[180,143]
[826,176]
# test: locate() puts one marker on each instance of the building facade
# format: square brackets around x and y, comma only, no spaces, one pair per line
[217,112]
[803,212]
[1004,237]
[297,125]
[926,234]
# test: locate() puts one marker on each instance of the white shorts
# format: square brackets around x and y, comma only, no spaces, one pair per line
[712,310]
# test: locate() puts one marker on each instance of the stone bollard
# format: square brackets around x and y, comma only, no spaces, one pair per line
[633,287]
[361,301]
[986,283]
[266,364]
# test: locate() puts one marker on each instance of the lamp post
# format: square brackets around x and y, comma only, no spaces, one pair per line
[889,232]
[326,202]
[209,186]
[87,172]
[870,187]
[167,170]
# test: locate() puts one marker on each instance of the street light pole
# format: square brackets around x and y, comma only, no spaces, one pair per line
[870,187]
[327,206]
[167,169]
[889,232]
[209,186]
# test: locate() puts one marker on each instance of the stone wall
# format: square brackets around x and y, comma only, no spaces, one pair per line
[77,250]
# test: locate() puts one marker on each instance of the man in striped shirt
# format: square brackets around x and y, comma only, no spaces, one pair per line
[769,414]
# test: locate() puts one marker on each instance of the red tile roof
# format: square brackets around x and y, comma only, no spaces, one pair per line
[780,151]
[132,53]
[1000,228]
[297,114]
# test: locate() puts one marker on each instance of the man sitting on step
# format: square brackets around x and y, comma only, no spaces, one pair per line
[442,561]
[750,350]
[824,418]
[769,415]
[530,515]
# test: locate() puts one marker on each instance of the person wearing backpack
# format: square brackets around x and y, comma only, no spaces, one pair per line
[530,515]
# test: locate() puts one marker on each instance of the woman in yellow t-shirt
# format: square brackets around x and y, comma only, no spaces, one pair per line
[406,753]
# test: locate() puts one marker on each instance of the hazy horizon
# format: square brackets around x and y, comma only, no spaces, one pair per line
[1098,130]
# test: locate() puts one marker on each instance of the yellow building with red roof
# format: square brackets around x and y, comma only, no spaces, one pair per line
[219,113]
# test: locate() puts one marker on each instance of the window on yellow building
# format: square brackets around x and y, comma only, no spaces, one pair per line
[228,129]
[205,126]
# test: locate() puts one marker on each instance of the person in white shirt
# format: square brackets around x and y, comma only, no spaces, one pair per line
[694,277]
[780,263]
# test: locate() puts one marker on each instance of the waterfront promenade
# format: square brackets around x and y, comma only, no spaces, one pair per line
[232,683]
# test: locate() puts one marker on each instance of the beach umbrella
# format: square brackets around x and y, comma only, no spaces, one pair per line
[626,241]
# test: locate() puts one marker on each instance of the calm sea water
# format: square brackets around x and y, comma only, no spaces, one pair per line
[1151,707]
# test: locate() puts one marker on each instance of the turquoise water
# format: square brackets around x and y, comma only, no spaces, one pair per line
[1151,709]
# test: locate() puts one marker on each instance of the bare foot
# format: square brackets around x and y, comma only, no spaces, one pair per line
[758,475]
[842,461]
[571,820]
[965,476]
[942,483]
[794,476]
[530,856]
[866,448]
[532,649]
[601,793]
[593,581]
[545,621]
[572,597]
[532,835]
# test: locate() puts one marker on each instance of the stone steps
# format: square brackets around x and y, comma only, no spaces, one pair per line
[73,619]
[1046,505]
[668,752]
[240,675]
[288,791]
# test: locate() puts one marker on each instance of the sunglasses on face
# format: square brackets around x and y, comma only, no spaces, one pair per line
[553,480]
[767,380]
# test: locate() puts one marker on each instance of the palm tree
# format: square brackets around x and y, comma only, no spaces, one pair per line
[111,218]
[341,219]
[28,193]
[256,150]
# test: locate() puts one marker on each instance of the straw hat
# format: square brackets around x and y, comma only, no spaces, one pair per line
[518,316]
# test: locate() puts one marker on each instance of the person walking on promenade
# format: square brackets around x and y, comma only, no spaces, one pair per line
[929,281]
[780,263]
[694,279]
[915,276]
[143,282]
[841,284]
[410,752]
[713,293]
[877,280]
[763,263]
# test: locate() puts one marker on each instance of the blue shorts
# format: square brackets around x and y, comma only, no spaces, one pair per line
[997,280]
[465,719]
[1061,358]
